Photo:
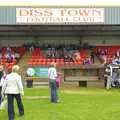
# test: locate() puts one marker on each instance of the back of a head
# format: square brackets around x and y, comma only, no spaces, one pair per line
[53,64]
[15,69]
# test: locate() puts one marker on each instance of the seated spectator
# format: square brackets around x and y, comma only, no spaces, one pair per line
[118,53]
[115,61]
[77,55]
[103,59]
[17,55]
[9,57]
[13,56]
[87,61]
[118,61]
[8,49]
[31,48]
[68,58]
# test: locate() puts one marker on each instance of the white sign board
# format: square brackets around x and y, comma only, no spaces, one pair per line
[59,15]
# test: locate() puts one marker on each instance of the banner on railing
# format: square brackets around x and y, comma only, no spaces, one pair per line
[37,72]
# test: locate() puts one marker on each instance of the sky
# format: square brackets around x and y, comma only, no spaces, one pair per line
[60,2]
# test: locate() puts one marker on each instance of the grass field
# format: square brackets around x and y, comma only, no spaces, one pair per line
[75,104]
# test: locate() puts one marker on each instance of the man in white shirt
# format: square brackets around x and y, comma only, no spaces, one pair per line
[109,78]
[13,88]
[52,76]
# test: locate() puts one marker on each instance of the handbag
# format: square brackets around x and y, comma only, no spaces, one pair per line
[57,82]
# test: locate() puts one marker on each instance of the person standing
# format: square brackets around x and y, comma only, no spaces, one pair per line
[109,78]
[13,88]
[1,82]
[52,76]
[92,57]
[118,76]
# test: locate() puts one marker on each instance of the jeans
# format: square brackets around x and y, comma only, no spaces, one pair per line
[109,79]
[53,87]
[11,113]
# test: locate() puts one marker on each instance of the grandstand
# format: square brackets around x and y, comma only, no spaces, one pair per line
[69,37]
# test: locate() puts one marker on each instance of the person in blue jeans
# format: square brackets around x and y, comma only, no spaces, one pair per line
[52,76]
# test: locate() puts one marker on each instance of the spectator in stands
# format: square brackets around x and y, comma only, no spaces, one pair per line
[13,88]
[115,61]
[103,59]
[17,55]
[98,52]
[1,82]
[13,56]
[31,49]
[118,53]
[52,76]
[68,58]
[9,57]
[118,61]
[8,49]
[102,52]
[87,61]
[77,54]
[106,51]
[92,57]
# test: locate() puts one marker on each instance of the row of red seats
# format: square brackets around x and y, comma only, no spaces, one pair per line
[20,50]
[37,58]
[111,51]
[57,63]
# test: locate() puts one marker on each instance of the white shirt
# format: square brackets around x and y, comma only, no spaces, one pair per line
[52,74]
[2,81]
[13,84]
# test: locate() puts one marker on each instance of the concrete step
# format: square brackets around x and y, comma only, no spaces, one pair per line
[40,83]
[71,84]
[37,84]
[24,60]
[98,83]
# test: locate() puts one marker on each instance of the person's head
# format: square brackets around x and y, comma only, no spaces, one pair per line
[53,64]
[108,67]
[15,69]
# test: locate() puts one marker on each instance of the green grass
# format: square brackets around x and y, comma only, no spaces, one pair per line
[76,104]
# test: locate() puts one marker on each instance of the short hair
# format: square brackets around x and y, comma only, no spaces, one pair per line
[15,68]
[53,64]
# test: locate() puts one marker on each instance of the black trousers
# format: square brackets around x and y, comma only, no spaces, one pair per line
[11,113]
[0,95]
